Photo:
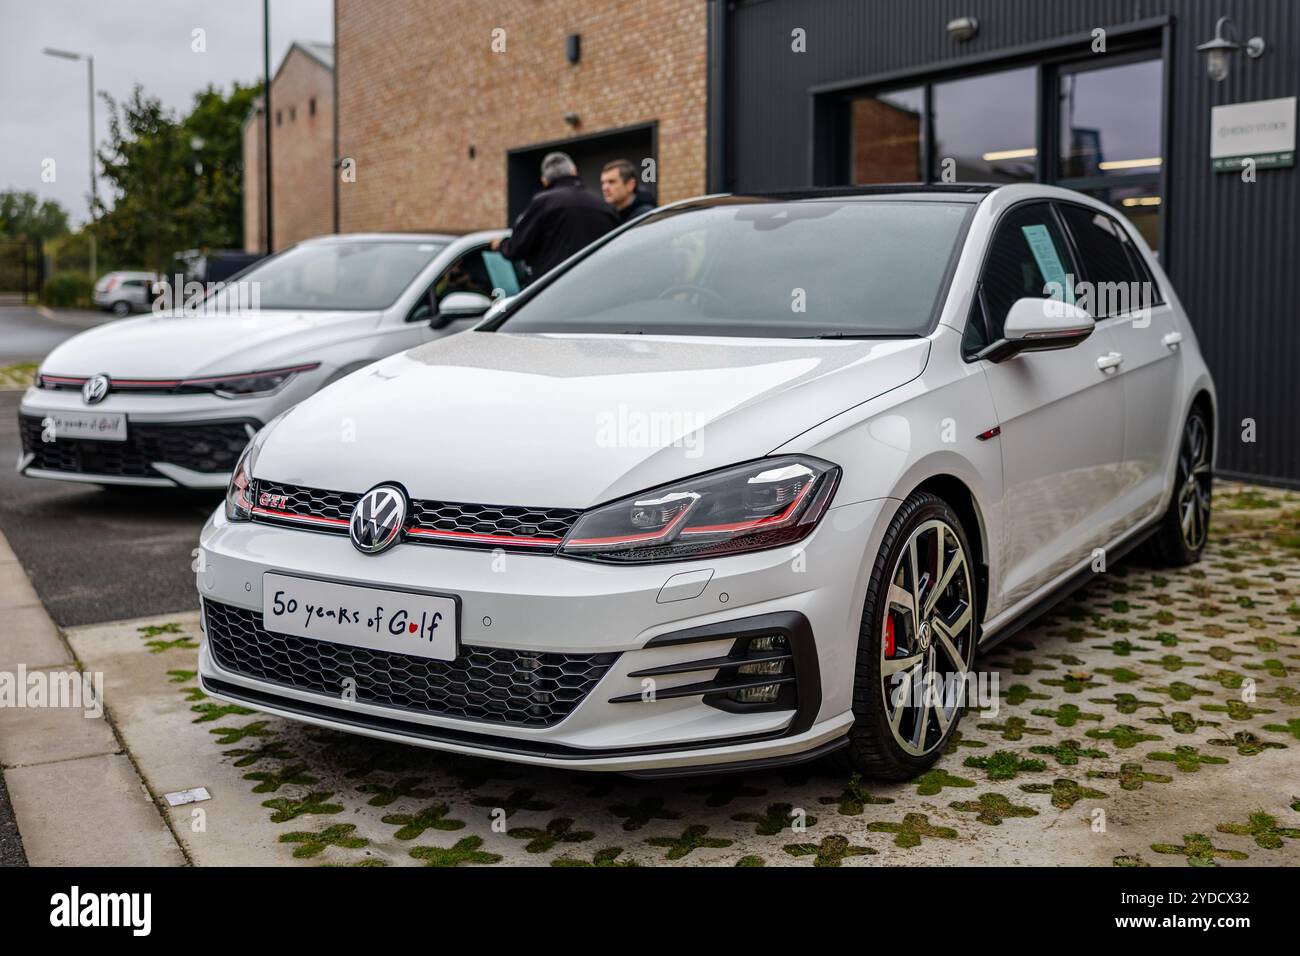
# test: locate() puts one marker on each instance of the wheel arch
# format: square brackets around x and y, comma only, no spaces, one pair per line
[958,495]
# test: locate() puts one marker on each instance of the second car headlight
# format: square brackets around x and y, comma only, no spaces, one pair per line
[248,384]
[751,507]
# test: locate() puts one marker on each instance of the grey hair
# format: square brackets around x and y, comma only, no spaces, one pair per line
[557,165]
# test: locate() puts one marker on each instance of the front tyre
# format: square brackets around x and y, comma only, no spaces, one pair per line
[1181,536]
[916,643]
[121,309]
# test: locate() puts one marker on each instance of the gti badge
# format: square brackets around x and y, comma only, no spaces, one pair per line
[377,519]
[95,390]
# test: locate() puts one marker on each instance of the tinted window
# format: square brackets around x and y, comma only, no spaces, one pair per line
[757,268]
[1108,264]
[1027,254]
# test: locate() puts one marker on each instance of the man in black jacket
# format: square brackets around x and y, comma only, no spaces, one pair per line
[559,220]
[619,186]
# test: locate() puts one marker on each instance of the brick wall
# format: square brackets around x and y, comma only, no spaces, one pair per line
[302,150]
[419,84]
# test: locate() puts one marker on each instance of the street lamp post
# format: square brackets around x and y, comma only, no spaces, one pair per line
[94,189]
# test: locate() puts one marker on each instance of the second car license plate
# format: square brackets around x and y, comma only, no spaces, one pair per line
[101,426]
[423,625]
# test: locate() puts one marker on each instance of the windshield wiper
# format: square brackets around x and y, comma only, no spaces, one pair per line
[862,335]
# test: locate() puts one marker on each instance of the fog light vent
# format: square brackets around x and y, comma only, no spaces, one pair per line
[771,658]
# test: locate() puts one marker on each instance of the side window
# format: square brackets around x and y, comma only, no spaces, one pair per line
[1110,264]
[480,270]
[1028,257]
[466,274]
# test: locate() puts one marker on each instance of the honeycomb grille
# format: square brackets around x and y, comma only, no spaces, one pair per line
[430,522]
[309,502]
[211,447]
[493,684]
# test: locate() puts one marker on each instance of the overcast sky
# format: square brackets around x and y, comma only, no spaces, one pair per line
[43,100]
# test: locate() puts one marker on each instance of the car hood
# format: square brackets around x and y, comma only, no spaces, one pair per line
[571,420]
[175,345]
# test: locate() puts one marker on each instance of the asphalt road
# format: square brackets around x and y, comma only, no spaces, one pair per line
[27,336]
[96,554]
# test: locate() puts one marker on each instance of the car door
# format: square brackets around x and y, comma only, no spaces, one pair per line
[1061,413]
[1124,296]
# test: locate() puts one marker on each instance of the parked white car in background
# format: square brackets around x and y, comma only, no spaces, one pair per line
[735,486]
[173,398]
[125,292]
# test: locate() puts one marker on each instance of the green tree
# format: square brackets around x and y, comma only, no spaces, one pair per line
[24,215]
[175,182]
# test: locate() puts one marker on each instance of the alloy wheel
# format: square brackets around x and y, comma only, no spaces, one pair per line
[1194,483]
[927,637]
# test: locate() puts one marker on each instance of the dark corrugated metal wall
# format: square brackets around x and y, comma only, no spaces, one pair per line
[1233,248]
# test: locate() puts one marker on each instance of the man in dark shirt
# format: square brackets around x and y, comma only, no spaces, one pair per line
[559,220]
[619,186]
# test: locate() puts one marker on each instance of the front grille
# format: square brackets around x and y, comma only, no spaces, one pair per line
[429,522]
[211,447]
[494,684]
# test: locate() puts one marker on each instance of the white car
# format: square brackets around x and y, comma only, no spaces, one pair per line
[725,490]
[124,292]
[171,399]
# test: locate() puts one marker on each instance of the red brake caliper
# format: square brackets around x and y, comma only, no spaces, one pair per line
[889,634]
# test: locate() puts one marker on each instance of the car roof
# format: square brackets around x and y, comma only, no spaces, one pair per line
[383,237]
[960,192]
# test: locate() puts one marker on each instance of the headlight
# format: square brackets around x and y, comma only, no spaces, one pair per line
[762,504]
[239,493]
[248,384]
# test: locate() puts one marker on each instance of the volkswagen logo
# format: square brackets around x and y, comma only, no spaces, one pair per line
[95,390]
[378,519]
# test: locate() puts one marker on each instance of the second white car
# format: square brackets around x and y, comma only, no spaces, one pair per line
[172,398]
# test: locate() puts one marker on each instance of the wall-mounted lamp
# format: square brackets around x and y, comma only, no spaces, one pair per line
[963,28]
[1217,64]
[573,47]
[572,119]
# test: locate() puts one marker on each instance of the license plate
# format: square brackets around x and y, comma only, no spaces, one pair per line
[423,625]
[100,426]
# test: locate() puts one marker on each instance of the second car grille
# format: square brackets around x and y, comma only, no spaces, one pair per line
[428,522]
[211,447]
[527,688]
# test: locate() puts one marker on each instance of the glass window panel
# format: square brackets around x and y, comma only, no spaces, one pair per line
[1140,204]
[1027,258]
[1110,120]
[988,125]
[886,137]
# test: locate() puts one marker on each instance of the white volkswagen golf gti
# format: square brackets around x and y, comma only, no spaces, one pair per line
[724,490]
[172,398]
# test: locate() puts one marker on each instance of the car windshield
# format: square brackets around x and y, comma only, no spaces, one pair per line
[820,268]
[361,274]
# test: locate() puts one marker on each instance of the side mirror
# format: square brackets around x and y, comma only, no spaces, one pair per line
[1039,325]
[460,305]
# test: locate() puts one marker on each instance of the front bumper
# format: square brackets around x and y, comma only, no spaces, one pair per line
[628,618]
[184,441]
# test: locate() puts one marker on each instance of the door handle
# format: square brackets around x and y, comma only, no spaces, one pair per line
[1109,361]
[1171,340]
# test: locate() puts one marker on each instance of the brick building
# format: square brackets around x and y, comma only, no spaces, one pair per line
[447,109]
[302,151]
